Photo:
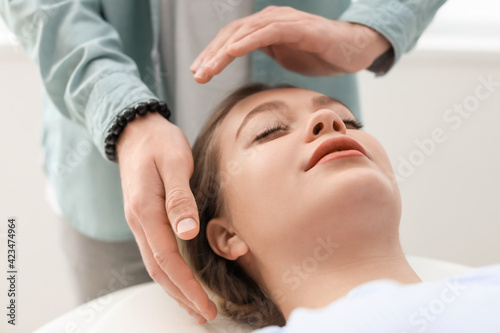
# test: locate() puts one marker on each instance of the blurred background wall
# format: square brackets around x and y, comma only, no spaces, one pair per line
[447,162]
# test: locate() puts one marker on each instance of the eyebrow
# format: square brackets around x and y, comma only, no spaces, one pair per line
[267,106]
[281,106]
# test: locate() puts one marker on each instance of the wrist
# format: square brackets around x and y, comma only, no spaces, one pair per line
[134,131]
[381,45]
[123,123]
[377,44]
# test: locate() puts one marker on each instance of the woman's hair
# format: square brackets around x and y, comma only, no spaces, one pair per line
[240,297]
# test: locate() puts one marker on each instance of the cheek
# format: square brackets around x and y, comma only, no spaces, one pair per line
[259,194]
[376,151]
[380,158]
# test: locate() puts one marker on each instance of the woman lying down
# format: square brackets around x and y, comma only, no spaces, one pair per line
[299,218]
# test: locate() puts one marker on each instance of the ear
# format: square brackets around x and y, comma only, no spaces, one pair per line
[226,243]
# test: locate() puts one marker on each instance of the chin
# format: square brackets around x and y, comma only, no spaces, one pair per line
[359,200]
[367,184]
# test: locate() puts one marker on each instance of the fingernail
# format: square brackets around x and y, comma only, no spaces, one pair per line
[200,73]
[186,225]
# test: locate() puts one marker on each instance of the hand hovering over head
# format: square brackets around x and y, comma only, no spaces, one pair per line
[156,162]
[301,42]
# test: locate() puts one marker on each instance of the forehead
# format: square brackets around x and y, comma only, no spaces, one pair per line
[292,96]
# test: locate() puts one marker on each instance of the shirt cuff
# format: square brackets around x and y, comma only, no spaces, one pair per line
[393,20]
[383,63]
[111,95]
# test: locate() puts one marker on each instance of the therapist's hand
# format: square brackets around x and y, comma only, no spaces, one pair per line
[301,42]
[156,162]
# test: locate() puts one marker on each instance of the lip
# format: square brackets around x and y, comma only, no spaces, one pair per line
[335,144]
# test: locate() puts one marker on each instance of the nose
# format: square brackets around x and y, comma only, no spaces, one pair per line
[321,122]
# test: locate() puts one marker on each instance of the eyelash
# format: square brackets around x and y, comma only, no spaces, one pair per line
[354,123]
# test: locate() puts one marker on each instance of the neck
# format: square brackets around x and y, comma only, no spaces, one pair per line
[316,285]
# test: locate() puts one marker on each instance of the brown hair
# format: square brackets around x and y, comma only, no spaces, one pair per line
[240,297]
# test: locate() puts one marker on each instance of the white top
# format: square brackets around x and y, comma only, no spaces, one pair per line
[467,303]
[190,26]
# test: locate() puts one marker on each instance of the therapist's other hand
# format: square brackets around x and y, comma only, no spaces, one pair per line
[301,42]
[156,162]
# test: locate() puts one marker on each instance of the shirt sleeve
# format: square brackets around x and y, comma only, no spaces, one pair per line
[402,22]
[79,54]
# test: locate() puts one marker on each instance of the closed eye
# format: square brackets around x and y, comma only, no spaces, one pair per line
[270,130]
[354,124]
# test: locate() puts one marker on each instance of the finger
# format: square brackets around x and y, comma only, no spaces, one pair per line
[222,36]
[277,33]
[157,273]
[190,310]
[180,205]
[201,75]
[152,267]
[231,31]
[201,63]
[199,318]
[249,38]
[165,253]
[271,34]
[206,73]
[167,257]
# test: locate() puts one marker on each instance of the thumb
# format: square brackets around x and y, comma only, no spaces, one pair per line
[182,211]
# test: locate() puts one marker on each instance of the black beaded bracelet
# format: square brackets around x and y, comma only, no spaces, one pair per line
[126,116]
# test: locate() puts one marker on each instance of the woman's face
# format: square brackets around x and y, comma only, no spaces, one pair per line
[272,192]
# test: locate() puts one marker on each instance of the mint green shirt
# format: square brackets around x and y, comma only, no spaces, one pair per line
[97,57]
